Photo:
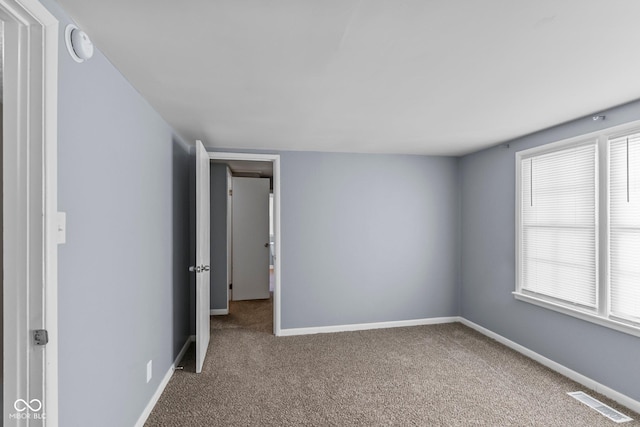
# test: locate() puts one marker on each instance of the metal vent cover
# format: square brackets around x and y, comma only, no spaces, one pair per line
[605,410]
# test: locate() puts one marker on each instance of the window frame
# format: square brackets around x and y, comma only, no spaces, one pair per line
[601,315]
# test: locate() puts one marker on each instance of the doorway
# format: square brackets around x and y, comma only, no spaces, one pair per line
[244,165]
[250,243]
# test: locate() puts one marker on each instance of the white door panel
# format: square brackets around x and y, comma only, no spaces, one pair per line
[250,238]
[203,248]
[229,233]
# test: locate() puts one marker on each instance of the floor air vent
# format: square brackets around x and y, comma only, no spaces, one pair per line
[605,410]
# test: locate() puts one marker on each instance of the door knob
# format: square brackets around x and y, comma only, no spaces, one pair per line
[196,269]
[205,268]
[266,245]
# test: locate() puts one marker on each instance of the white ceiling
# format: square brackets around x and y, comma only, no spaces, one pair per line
[443,77]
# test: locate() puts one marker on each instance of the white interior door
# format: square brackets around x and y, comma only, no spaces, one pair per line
[203,248]
[250,238]
[229,233]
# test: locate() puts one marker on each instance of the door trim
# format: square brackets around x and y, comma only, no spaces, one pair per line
[30,204]
[275,159]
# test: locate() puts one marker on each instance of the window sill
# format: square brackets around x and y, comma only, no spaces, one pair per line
[589,317]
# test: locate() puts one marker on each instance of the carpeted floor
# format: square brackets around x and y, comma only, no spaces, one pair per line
[441,375]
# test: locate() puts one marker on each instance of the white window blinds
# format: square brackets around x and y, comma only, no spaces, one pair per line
[624,227]
[558,225]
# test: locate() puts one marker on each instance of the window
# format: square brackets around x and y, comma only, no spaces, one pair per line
[558,214]
[578,227]
[624,227]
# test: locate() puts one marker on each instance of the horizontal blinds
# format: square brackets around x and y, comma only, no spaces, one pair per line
[558,224]
[624,227]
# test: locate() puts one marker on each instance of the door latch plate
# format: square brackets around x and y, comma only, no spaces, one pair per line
[40,336]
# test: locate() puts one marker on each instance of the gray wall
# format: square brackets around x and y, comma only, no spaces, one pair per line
[123,281]
[367,238]
[218,236]
[488,267]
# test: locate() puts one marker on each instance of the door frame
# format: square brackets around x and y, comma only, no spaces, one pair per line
[30,282]
[275,159]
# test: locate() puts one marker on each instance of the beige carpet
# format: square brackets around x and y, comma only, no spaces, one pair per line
[441,375]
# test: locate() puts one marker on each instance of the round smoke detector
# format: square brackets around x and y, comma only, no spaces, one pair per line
[78,43]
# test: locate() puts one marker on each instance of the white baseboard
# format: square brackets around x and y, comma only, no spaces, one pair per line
[218,311]
[623,399]
[366,326]
[154,399]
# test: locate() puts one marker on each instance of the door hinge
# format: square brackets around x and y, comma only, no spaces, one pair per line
[40,336]
[230,192]
[230,285]
[62,228]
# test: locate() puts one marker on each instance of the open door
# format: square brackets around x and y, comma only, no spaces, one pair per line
[201,267]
